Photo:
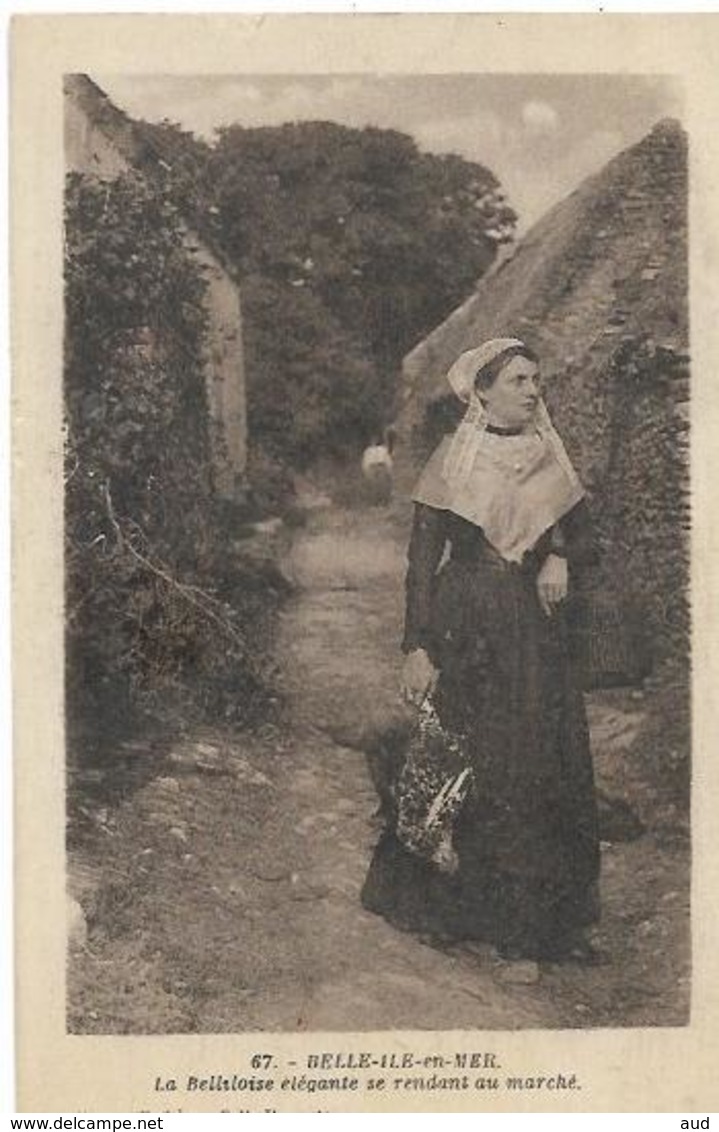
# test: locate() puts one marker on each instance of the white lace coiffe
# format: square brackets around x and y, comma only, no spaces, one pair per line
[467,440]
[513,488]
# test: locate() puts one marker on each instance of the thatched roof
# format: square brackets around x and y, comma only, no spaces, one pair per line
[609,261]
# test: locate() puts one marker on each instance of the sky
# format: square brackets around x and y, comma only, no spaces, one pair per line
[541,135]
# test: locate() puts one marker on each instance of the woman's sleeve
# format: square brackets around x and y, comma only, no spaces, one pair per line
[426,546]
[575,537]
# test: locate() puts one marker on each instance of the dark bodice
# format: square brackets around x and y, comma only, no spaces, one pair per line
[434,532]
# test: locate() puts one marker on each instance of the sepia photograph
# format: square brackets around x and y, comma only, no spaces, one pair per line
[363,569]
[376,509]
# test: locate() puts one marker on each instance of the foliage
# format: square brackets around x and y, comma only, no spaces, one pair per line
[628,440]
[147,571]
[310,382]
[351,245]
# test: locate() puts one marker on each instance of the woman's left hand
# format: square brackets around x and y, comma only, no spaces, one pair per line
[552,583]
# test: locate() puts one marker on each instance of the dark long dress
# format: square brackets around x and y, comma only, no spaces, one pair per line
[509,682]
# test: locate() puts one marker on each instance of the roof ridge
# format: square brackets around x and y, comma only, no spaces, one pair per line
[136,146]
[583,198]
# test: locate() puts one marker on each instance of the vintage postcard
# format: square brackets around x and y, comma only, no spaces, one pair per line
[364,568]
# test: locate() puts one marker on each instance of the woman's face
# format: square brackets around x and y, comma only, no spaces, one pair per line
[511,401]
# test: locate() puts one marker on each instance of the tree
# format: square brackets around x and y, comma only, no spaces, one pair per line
[358,233]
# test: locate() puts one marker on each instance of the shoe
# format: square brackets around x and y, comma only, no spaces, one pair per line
[477,948]
[579,951]
[437,940]
[518,972]
[516,966]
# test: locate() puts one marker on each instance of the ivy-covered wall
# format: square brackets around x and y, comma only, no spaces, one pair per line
[158,614]
[629,436]
[101,141]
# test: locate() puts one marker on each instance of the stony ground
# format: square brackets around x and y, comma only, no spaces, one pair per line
[220,893]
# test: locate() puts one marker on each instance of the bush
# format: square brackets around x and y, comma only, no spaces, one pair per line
[352,244]
[147,565]
[310,390]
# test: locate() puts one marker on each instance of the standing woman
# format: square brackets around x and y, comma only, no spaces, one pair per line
[489,638]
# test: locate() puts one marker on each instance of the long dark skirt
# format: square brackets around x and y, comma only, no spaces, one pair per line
[527,837]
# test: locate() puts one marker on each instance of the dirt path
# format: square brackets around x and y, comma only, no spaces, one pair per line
[223,895]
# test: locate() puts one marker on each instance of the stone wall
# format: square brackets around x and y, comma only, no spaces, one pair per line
[628,422]
[101,141]
[87,148]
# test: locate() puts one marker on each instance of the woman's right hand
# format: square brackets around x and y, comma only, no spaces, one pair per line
[419,676]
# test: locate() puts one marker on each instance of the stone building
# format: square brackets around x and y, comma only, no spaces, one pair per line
[102,141]
[598,288]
